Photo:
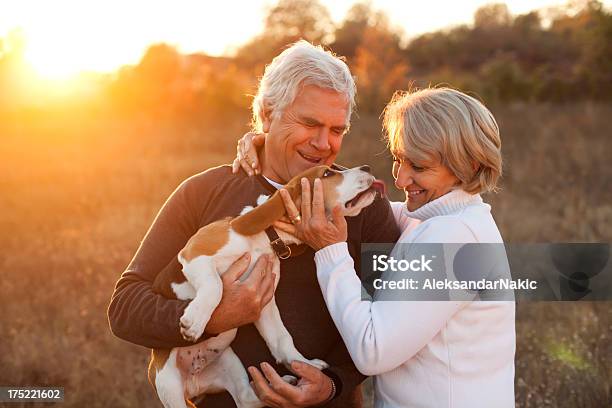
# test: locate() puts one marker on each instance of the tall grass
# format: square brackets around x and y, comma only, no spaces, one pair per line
[79,191]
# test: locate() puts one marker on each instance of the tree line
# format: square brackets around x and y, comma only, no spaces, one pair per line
[560,54]
[556,55]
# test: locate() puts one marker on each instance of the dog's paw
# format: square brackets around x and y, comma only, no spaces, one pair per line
[290,379]
[190,330]
[320,364]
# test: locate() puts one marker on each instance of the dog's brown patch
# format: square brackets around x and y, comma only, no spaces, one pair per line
[330,190]
[158,360]
[159,357]
[208,240]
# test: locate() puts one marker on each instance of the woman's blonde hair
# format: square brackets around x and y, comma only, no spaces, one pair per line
[451,127]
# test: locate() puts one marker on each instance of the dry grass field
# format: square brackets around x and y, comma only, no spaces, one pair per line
[78,191]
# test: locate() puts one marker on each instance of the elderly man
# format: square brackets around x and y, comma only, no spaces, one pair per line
[304,104]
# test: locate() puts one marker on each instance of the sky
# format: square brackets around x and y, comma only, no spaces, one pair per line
[67,36]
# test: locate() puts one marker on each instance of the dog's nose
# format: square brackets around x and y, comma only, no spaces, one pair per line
[365,168]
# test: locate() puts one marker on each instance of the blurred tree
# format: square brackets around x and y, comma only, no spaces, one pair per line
[527,35]
[221,96]
[528,23]
[569,60]
[150,86]
[190,89]
[350,34]
[285,23]
[504,80]
[595,66]
[295,19]
[551,85]
[380,65]
[160,64]
[492,16]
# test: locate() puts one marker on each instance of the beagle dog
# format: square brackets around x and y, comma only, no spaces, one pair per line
[213,366]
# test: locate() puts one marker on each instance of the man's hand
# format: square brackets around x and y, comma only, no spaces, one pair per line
[242,302]
[312,388]
[246,153]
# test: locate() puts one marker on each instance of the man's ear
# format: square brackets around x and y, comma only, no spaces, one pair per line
[266,120]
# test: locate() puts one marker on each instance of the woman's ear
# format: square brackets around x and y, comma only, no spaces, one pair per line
[475,166]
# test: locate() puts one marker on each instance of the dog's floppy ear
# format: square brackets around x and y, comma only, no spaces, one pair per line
[294,187]
[260,217]
[266,214]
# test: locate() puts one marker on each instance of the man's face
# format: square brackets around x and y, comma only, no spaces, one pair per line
[308,133]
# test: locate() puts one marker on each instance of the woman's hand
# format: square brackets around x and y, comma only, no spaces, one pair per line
[312,226]
[246,153]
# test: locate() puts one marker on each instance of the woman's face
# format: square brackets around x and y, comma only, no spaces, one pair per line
[421,182]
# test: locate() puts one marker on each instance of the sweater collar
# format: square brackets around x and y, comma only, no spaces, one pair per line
[450,203]
[268,183]
[273,183]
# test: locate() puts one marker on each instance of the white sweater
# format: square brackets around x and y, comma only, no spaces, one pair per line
[427,353]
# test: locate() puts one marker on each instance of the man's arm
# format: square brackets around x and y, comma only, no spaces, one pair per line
[136,313]
[140,316]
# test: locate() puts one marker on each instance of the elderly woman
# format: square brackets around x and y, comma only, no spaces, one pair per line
[446,151]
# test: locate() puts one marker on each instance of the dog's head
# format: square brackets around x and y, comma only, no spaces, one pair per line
[352,189]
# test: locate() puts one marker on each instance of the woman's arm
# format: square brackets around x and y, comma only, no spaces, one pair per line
[380,336]
[246,153]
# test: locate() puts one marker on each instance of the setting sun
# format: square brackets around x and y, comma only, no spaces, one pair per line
[52,59]
[65,37]
[60,51]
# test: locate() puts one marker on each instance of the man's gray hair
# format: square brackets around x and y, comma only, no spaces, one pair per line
[300,64]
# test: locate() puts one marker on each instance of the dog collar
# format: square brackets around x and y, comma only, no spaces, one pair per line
[278,245]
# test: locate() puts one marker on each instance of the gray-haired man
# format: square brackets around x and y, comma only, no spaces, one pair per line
[304,104]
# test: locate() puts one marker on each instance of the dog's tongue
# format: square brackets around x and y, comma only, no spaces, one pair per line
[380,187]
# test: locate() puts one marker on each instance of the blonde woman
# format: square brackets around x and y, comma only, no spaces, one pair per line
[446,149]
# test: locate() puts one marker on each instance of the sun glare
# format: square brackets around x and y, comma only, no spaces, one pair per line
[51,63]
[62,55]
[67,37]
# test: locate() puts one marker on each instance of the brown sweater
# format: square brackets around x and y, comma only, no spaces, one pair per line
[140,316]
